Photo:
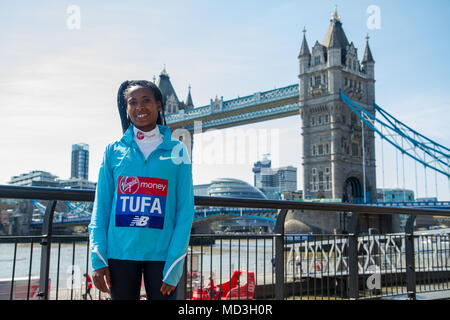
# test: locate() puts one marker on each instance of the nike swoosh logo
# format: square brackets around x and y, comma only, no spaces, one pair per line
[165,158]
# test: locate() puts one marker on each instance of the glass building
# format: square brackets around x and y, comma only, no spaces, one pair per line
[80,161]
[395,195]
[274,181]
[229,188]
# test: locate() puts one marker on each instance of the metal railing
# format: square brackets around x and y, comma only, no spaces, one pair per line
[251,266]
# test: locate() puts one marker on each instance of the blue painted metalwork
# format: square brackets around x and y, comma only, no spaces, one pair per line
[398,124]
[437,163]
[262,214]
[79,212]
[213,213]
[416,204]
[242,103]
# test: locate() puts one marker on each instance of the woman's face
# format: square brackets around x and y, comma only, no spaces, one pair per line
[142,108]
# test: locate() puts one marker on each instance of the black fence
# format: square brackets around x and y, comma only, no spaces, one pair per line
[344,265]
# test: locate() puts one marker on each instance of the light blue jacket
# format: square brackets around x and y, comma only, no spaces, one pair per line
[143,208]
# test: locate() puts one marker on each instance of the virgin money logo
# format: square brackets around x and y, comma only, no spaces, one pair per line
[129,185]
[140,135]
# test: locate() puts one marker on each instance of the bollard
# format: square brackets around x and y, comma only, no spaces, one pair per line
[353,285]
[46,243]
[181,288]
[279,255]
[409,258]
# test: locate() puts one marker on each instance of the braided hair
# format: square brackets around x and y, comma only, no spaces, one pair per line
[122,101]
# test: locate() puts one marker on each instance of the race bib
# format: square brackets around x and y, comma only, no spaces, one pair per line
[141,202]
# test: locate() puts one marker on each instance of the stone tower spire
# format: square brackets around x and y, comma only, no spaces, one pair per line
[332,134]
[368,67]
[367,53]
[304,50]
[189,103]
[171,102]
[304,62]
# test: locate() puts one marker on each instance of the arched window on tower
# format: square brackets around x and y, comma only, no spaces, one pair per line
[316,60]
[317,81]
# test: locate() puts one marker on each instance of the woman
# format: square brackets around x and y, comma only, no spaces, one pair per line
[144,202]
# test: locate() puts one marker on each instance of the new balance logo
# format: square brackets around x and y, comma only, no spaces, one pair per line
[139,221]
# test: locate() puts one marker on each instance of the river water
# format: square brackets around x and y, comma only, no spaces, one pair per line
[68,261]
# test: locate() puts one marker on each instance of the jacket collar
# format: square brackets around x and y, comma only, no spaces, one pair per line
[168,143]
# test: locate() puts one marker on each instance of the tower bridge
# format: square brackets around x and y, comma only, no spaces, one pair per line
[332,135]
[335,97]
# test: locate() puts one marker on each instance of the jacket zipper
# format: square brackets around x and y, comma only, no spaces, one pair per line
[135,146]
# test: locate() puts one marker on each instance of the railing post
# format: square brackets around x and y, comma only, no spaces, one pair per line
[279,255]
[181,288]
[46,243]
[409,258]
[353,281]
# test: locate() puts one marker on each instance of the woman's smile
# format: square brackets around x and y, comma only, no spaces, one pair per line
[142,115]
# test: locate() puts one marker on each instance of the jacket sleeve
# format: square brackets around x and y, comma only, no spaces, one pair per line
[184,216]
[98,228]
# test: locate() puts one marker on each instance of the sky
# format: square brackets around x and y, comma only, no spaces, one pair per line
[63,61]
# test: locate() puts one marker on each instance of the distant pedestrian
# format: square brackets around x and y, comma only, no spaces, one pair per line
[88,286]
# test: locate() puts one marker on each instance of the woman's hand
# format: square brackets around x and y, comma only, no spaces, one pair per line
[166,288]
[99,276]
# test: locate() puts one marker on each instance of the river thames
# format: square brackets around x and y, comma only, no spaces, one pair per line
[69,262]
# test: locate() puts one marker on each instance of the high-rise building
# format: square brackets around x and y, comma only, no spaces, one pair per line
[285,178]
[262,173]
[274,181]
[332,134]
[80,161]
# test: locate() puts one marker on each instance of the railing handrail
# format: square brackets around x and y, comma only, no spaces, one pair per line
[52,195]
[61,194]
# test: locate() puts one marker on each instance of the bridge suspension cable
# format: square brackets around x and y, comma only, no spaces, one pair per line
[409,142]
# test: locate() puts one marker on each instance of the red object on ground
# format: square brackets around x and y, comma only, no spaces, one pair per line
[230,290]
[89,282]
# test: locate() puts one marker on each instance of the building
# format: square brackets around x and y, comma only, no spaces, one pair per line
[262,178]
[229,188]
[395,195]
[285,178]
[274,181]
[292,195]
[332,133]
[77,183]
[201,190]
[35,178]
[38,178]
[235,188]
[80,161]
[402,195]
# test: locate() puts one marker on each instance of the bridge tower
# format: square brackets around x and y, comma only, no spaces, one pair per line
[332,134]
